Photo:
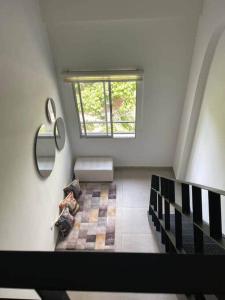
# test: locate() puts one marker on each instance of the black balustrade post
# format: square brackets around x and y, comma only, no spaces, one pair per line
[185,198]
[215,223]
[162,236]
[197,204]
[178,229]
[155,182]
[167,244]
[155,197]
[171,191]
[150,202]
[162,186]
[150,211]
[166,189]
[153,218]
[157,224]
[198,240]
[160,207]
[167,215]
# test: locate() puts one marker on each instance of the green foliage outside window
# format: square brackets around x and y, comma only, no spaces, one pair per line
[96,109]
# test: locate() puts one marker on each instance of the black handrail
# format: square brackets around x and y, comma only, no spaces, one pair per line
[203,187]
[113,272]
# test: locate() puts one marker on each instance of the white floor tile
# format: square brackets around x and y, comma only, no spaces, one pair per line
[134,220]
[139,243]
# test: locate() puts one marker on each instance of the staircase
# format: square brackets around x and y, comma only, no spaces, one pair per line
[175,209]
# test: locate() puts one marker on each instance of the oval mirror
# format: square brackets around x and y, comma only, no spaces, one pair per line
[51,110]
[59,131]
[45,150]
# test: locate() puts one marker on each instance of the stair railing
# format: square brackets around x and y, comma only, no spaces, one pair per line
[176,211]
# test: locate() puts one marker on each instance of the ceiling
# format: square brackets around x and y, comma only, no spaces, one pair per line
[74,10]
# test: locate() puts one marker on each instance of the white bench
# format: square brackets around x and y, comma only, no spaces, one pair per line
[98,169]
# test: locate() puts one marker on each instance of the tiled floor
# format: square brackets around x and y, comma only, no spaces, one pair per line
[133,233]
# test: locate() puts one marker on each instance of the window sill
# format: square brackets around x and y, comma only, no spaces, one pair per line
[115,136]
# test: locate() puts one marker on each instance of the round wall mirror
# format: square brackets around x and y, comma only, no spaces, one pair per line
[45,150]
[59,131]
[51,110]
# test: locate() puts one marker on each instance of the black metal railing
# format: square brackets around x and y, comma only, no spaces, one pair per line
[183,231]
[176,210]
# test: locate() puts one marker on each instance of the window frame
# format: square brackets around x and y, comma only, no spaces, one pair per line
[122,135]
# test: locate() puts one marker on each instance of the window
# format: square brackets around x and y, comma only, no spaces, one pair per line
[106,104]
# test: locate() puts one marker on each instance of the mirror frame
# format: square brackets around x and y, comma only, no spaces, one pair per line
[58,145]
[51,102]
[42,175]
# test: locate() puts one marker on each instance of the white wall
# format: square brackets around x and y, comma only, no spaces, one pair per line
[28,203]
[210,29]
[153,35]
[207,160]
[204,161]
